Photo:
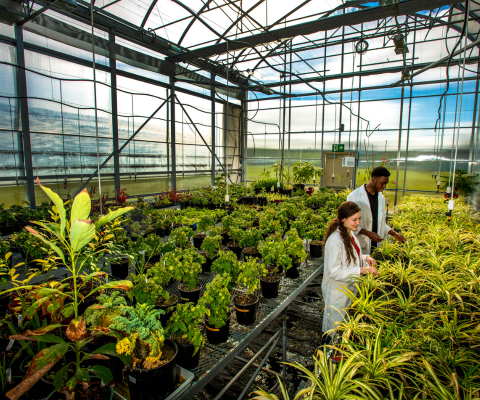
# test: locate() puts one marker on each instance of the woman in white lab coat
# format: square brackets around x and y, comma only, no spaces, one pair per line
[343,261]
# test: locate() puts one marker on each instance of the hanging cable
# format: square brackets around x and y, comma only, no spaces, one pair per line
[95,105]
[315,146]
[227,198]
[13,143]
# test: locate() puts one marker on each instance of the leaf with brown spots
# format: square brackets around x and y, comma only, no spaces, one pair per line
[39,366]
[39,331]
[77,330]
[125,285]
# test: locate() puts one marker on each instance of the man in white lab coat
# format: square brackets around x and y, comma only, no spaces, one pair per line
[373,228]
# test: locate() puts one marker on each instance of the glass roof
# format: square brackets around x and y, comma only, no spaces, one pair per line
[197,24]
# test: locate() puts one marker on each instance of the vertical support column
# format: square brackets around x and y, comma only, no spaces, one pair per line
[26,141]
[243,138]
[357,161]
[472,137]
[172,135]
[399,144]
[341,87]
[214,149]
[113,95]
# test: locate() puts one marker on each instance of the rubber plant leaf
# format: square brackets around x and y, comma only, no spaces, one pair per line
[39,366]
[81,206]
[58,203]
[110,216]
[110,349]
[124,285]
[81,233]
[52,245]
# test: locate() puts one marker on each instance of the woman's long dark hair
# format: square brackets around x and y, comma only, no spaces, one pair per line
[346,210]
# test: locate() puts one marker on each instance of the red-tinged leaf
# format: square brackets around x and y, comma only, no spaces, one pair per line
[99,357]
[97,307]
[39,366]
[125,285]
[77,330]
[41,331]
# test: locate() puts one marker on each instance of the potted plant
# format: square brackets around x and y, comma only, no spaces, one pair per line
[296,251]
[315,235]
[205,223]
[210,245]
[186,264]
[150,357]
[249,241]
[183,329]
[227,264]
[246,303]
[67,241]
[303,172]
[273,252]
[181,236]
[155,247]
[161,275]
[236,233]
[217,297]
[464,183]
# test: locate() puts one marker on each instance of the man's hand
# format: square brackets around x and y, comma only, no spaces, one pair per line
[371,261]
[371,235]
[398,237]
[368,270]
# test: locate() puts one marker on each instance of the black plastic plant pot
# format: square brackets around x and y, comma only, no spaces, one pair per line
[246,313]
[173,301]
[218,335]
[4,302]
[272,267]
[168,231]
[120,270]
[160,232]
[315,250]
[269,289]
[292,272]
[155,258]
[258,190]
[207,265]
[185,357]
[154,384]
[299,186]
[187,296]
[197,241]
[236,249]
[225,239]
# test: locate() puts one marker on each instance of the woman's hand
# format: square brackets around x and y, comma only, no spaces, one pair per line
[371,261]
[368,270]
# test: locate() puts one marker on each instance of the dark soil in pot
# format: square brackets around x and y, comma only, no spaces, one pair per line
[198,239]
[164,305]
[246,308]
[251,252]
[187,296]
[120,270]
[315,248]
[271,269]
[168,231]
[270,286]
[235,248]
[218,335]
[155,384]
[293,272]
[154,258]
[4,302]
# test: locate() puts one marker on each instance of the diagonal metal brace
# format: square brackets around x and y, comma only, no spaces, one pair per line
[121,148]
[275,338]
[206,144]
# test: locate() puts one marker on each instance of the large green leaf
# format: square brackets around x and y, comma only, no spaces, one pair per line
[103,373]
[81,233]
[58,203]
[48,242]
[60,377]
[111,215]
[81,206]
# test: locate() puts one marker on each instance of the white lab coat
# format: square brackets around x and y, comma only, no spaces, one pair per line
[360,197]
[337,276]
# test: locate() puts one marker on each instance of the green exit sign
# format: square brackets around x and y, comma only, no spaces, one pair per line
[339,148]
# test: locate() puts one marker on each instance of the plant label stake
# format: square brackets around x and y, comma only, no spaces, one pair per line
[10,344]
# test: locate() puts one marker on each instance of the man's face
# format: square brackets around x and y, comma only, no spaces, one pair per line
[380,183]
